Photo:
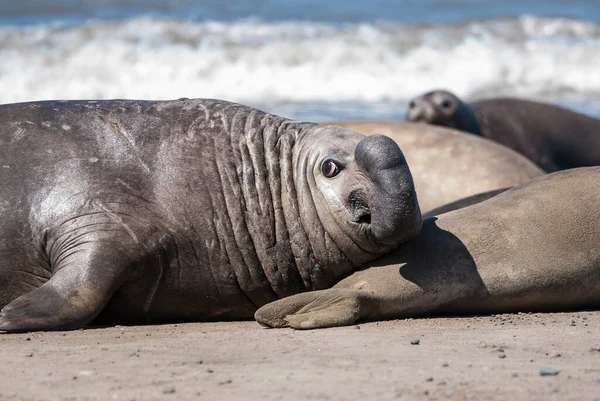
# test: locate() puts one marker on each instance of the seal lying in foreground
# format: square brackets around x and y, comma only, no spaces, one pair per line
[448,166]
[553,137]
[184,210]
[533,247]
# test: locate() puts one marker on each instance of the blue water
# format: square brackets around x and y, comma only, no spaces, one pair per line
[309,59]
[339,11]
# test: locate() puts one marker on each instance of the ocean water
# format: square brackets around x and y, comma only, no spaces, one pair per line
[307,59]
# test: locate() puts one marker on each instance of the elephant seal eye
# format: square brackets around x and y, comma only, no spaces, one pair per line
[446,104]
[329,168]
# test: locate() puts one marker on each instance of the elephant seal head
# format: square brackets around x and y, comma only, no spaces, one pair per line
[443,108]
[361,191]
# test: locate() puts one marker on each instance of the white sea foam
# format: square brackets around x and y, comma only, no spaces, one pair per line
[277,63]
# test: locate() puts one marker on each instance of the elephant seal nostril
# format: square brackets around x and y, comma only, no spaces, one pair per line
[359,208]
[363,216]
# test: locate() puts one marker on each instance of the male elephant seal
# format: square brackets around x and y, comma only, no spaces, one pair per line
[184,210]
[534,247]
[553,137]
[447,165]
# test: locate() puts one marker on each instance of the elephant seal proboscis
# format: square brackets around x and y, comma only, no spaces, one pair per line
[553,137]
[531,248]
[447,165]
[187,210]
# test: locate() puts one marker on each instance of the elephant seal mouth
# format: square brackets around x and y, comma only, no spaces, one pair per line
[358,207]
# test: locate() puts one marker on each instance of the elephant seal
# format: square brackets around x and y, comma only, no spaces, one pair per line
[447,165]
[553,137]
[531,248]
[186,210]
[464,202]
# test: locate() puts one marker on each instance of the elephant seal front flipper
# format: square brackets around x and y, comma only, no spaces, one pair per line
[532,248]
[92,260]
[319,309]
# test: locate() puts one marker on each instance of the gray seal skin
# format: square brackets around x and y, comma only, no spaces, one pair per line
[531,248]
[187,210]
[553,137]
[447,165]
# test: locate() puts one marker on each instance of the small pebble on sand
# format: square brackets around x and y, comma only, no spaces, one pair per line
[416,341]
[501,356]
[169,390]
[548,371]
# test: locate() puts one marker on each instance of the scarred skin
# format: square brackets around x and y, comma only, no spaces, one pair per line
[553,137]
[531,248]
[187,210]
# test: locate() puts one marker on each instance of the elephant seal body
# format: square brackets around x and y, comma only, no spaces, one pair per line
[447,165]
[184,210]
[531,248]
[464,202]
[553,137]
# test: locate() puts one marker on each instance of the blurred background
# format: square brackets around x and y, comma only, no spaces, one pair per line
[304,59]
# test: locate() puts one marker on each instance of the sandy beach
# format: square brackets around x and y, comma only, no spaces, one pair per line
[456,358]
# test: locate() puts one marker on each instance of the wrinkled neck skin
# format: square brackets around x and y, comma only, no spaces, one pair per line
[330,244]
[276,230]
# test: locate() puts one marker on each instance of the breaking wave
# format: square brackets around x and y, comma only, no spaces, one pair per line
[276,63]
